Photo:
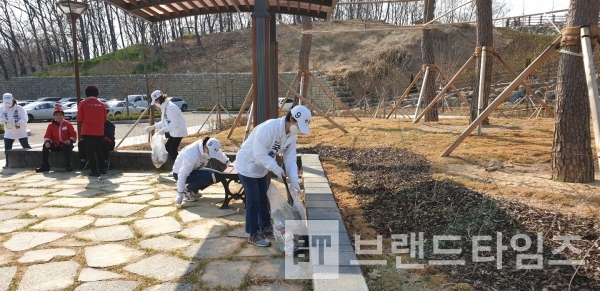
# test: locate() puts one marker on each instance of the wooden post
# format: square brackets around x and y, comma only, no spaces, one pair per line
[415,80]
[480,99]
[422,92]
[312,106]
[333,97]
[250,112]
[451,83]
[592,84]
[287,95]
[132,127]
[532,67]
[239,116]
[462,98]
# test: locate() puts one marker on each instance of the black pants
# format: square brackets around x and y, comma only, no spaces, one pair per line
[172,145]
[66,149]
[93,150]
[107,146]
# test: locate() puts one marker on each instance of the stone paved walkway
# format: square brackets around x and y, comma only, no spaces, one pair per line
[63,231]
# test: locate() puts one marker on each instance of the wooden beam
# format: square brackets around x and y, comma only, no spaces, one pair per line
[505,94]
[406,92]
[287,95]
[239,116]
[312,106]
[462,98]
[236,5]
[527,88]
[448,85]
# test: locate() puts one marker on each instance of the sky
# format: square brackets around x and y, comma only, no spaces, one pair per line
[522,7]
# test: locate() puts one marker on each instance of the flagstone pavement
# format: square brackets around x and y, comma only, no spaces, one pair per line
[64,231]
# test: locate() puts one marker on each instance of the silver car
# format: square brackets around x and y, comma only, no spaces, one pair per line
[40,110]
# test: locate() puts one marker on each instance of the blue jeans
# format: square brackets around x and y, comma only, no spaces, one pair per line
[8,143]
[199,179]
[257,203]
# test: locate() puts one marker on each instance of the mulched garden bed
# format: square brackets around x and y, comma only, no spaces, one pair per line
[399,196]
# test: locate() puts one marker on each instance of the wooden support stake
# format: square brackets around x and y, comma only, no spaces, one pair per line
[237,119]
[416,79]
[480,105]
[422,91]
[506,93]
[592,84]
[332,96]
[460,96]
[451,83]
[312,106]
[287,95]
[527,88]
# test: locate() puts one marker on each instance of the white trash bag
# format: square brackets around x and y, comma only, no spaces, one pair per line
[281,211]
[159,151]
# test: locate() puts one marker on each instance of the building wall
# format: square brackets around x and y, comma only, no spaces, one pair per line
[199,90]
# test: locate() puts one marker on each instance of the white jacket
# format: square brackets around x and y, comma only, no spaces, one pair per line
[172,120]
[12,118]
[192,157]
[256,157]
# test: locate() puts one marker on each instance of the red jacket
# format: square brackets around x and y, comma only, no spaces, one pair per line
[91,113]
[56,132]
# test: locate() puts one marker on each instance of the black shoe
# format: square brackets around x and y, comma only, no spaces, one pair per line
[102,171]
[68,168]
[43,168]
[107,164]
[83,165]
[94,174]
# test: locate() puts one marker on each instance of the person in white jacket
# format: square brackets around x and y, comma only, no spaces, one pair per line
[172,124]
[189,168]
[14,118]
[256,158]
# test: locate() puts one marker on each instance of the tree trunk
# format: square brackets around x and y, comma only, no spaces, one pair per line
[485,37]
[429,58]
[111,28]
[304,53]
[572,159]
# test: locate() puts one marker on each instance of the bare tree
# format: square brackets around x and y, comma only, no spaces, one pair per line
[572,159]
[429,58]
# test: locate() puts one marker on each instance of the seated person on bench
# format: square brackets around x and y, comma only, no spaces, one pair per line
[60,136]
[108,145]
[189,168]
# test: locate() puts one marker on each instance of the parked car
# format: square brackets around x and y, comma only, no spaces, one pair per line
[48,99]
[138,100]
[23,103]
[67,105]
[288,104]
[116,107]
[71,113]
[40,110]
[69,99]
[180,103]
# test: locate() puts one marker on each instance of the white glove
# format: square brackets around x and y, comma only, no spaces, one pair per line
[149,128]
[279,173]
[296,188]
[162,131]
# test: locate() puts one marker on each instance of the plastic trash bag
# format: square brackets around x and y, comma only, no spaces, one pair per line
[159,151]
[282,211]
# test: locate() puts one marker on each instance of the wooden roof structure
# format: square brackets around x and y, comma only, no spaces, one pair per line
[161,10]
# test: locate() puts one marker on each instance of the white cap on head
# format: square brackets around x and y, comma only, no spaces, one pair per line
[7,98]
[155,95]
[303,116]
[214,147]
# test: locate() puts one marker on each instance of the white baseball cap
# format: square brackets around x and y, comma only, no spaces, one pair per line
[303,116]
[214,147]
[155,95]
[7,98]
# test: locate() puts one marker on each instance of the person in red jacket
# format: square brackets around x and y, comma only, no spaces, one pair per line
[91,113]
[60,137]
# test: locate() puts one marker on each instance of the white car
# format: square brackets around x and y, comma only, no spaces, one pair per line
[40,110]
[71,113]
[288,104]
[180,103]
[116,107]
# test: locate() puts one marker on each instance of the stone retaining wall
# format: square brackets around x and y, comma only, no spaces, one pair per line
[199,90]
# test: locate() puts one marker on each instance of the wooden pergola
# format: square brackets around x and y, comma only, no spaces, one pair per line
[264,44]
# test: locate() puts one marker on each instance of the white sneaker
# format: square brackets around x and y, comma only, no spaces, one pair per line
[179,198]
[189,196]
